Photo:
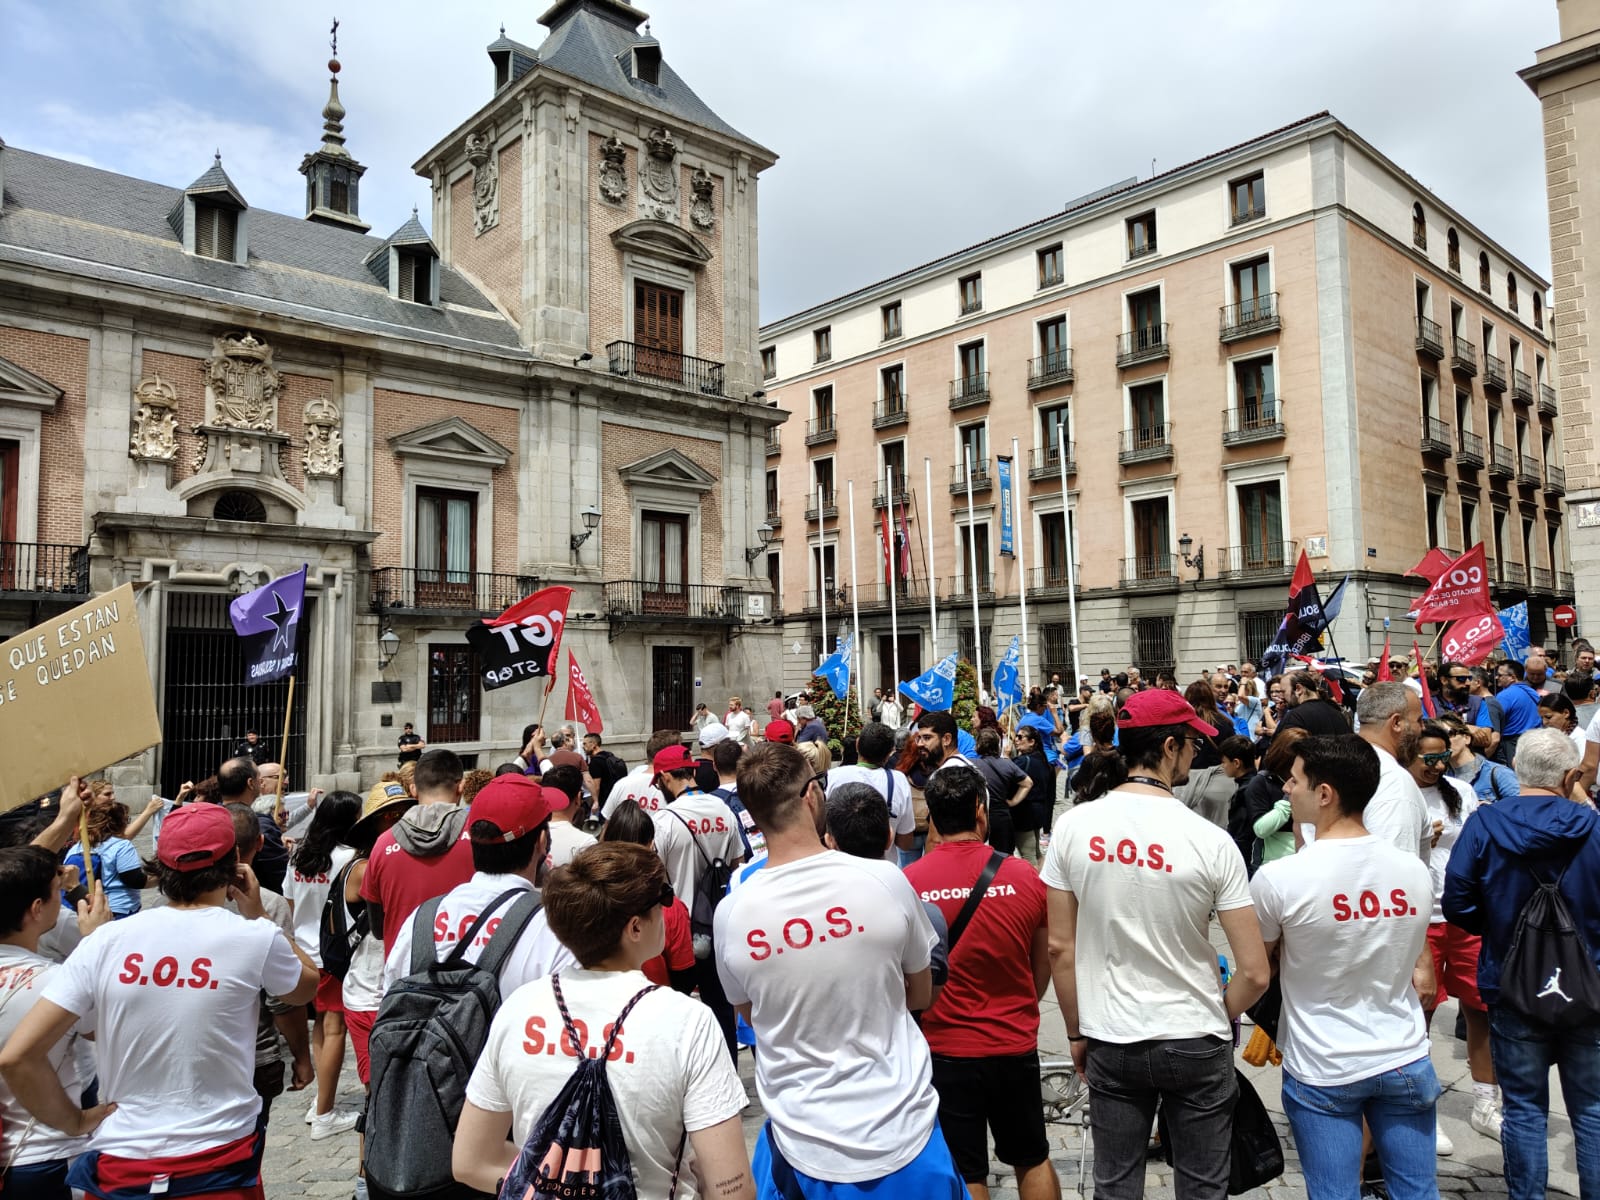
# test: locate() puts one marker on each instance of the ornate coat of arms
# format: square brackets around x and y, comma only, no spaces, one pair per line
[701,210]
[155,423]
[324,454]
[485,181]
[658,173]
[243,387]
[613,170]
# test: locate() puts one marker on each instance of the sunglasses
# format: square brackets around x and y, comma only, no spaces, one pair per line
[1461,679]
[821,780]
[663,899]
[1436,760]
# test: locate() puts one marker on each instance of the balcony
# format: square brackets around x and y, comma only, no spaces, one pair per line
[652,600]
[1555,481]
[43,568]
[1050,582]
[837,596]
[1469,450]
[958,587]
[1510,574]
[828,511]
[1435,437]
[908,593]
[774,517]
[820,431]
[773,448]
[1147,443]
[1430,338]
[1547,400]
[1148,573]
[1045,462]
[1544,580]
[1264,560]
[1563,583]
[1494,373]
[889,412]
[1249,318]
[969,390]
[900,495]
[650,365]
[1522,387]
[1261,421]
[1146,344]
[427,591]
[1463,356]
[1501,462]
[980,477]
[1528,474]
[1050,369]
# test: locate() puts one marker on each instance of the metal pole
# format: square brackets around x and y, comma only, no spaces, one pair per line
[822,575]
[855,606]
[972,579]
[933,580]
[1019,536]
[894,586]
[1072,557]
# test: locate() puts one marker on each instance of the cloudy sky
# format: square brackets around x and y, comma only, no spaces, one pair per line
[904,130]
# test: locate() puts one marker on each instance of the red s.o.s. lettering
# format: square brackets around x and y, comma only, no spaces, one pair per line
[1097,849]
[131,968]
[839,924]
[533,1036]
[760,948]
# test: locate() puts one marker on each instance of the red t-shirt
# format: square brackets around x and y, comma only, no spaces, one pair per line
[775,708]
[678,954]
[399,881]
[989,1005]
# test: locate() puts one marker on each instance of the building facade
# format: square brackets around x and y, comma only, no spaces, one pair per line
[1287,345]
[553,387]
[1566,78]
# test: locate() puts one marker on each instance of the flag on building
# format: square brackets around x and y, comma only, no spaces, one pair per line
[935,688]
[836,667]
[581,705]
[524,642]
[267,620]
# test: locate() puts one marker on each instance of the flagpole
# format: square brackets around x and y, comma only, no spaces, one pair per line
[933,580]
[1018,538]
[1072,557]
[283,754]
[854,660]
[894,584]
[822,574]
[972,581]
[83,841]
[545,703]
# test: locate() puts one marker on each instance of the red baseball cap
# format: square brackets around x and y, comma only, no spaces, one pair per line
[195,837]
[1145,710]
[514,804]
[673,758]
[780,731]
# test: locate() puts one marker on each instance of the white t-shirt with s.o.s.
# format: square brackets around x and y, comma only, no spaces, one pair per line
[635,786]
[174,995]
[1147,872]
[537,953]
[1352,917]
[25,1141]
[820,949]
[892,785]
[308,894]
[695,829]
[669,1069]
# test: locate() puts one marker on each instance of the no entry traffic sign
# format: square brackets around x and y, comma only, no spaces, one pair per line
[1565,616]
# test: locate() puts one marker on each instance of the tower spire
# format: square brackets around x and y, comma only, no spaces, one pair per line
[331,173]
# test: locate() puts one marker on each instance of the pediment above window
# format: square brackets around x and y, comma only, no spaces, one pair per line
[668,469]
[451,440]
[20,386]
[659,240]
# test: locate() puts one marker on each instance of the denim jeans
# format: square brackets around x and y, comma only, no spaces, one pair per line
[1524,1052]
[1399,1109]
[1192,1081]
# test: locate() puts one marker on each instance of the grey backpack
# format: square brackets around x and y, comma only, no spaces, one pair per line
[429,1032]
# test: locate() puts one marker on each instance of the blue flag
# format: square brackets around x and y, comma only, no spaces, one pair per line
[268,621]
[1004,466]
[1335,602]
[935,688]
[1007,684]
[1515,622]
[836,667]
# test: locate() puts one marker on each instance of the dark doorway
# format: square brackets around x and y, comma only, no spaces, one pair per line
[455,690]
[671,687]
[910,659]
[205,706]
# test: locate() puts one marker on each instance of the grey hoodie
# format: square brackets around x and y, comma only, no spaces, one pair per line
[428,830]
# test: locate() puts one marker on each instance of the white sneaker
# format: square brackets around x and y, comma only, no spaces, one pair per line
[1442,1145]
[331,1123]
[311,1113]
[1486,1119]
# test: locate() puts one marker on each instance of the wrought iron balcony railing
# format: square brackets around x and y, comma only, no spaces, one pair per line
[899,493]
[651,365]
[1522,387]
[1146,443]
[773,446]
[1050,580]
[653,600]
[1145,344]
[969,390]
[1547,400]
[980,477]
[959,587]
[889,411]
[820,431]
[1469,450]
[48,568]
[1260,560]
[1528,471]
[1149,572]
[1555,480]
[1260,421]
[1494,373]
[1050,369]
[1249,317]
[1463,356]
[436,590]
[1501,462]
[1046,462]
[1435,437]
[1430,338]
[827,512]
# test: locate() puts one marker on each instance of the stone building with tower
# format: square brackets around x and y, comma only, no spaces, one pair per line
[548,383]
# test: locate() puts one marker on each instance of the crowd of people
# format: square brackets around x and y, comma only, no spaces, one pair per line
[547,972]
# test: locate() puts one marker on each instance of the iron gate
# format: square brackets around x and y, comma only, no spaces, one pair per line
[206,708]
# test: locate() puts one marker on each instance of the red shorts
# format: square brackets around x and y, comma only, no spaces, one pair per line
[1455,964]
[360,1026]
[330,993]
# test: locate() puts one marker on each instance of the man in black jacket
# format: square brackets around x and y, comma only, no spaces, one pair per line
[1311,707]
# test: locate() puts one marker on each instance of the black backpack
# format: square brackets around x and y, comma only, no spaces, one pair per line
[1548,973]
[576,1147]
[709,888]
[426,1040]
[339,934]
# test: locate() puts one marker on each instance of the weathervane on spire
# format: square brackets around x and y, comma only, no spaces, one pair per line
[334,37]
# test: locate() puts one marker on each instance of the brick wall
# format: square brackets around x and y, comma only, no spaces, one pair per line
[624,444]
[64,361]
[708,294]
[607,314]
[495,258]
[395,413]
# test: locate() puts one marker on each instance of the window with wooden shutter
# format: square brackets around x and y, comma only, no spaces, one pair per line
[215,229]
[658,329]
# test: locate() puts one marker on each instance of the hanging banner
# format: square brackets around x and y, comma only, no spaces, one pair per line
[1005,506]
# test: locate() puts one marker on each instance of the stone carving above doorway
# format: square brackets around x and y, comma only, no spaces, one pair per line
[155,421]
[242,387]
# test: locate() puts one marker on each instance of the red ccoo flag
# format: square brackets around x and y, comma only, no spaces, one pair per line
[1429,709]
[580,700]
[1384,674]
[1462,591]
[1434,564]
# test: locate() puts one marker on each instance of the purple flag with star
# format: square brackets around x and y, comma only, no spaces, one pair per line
[268,620]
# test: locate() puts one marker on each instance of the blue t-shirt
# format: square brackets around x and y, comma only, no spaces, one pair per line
[111,858]
[965,744]
[1047,733]
[1520,704]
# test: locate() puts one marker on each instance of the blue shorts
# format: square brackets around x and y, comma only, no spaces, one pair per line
[931,1175]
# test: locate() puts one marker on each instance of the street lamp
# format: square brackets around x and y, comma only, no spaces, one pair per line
[591,522]
[1197,560]
[764,532]
[388,647]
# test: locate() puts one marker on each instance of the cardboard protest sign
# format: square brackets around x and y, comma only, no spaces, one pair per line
[75,696]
